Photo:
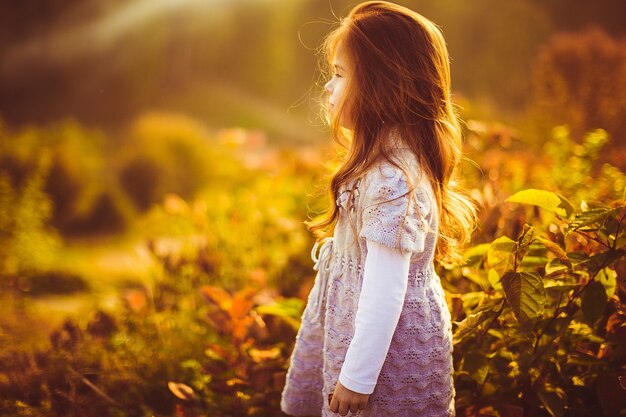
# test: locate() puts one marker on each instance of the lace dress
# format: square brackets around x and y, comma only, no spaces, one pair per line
[416,378]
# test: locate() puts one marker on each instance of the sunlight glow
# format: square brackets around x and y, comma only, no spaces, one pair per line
[101,33]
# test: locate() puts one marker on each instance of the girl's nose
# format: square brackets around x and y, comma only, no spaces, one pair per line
[328,86]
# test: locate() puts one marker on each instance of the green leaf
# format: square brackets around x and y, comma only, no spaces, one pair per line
[608,278]
[471,298]
[541,198]
[494,280]
[469,325]
[556,286]
[525,240]
[525,294]
[620,242]
[496,333]
[567,206]
[532,262]
[475,253]
[586,361]
[611,225]
[500,255]
[476,364]
[598,260]
[584,331]
[289,309]
[555,269]
[594,301]
[476,276]
[596,217]
[486,309]
[554,399]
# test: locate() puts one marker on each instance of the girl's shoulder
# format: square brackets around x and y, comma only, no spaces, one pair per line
[402,173]
[395,210]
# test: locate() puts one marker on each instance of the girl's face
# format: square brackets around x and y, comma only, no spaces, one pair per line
[337,84]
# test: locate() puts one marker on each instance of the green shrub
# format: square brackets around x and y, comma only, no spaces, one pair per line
[538,308]
[77,179]
[543,315]
[27,242]
[168,153]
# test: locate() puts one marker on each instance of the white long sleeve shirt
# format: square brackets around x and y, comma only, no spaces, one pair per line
[385,280]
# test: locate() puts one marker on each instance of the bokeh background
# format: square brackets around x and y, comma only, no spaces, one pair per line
[158,159]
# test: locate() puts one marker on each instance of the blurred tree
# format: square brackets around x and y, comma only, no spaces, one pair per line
[580,79]
[491,45]
[574,14]
[104,60]
[167,153]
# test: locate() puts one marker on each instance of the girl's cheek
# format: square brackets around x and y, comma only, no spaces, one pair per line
[338,92]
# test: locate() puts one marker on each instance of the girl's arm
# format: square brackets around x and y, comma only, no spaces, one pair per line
[385,280]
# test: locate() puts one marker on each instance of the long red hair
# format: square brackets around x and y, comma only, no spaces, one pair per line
[399,79]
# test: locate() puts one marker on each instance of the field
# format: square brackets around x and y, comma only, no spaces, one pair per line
[158,161]
[190,306]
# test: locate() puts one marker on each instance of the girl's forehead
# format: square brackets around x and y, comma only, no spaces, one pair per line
[339,57]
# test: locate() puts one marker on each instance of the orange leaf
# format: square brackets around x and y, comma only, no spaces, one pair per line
[259,276]
[182,391]
[240,328]
[242,302]
[488,411]
[236,382]
[217,295]
[136,299]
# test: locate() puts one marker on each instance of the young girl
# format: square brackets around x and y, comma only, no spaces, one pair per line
[376,336]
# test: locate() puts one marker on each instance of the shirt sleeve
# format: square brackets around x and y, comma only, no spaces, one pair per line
[385,280]
[393,214]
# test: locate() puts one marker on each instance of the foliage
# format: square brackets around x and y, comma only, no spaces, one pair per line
[575,168]
[175,341]
[545,329]
[538,308]
[26,240]
[76,179]
[168,153]
[105,366]
[240,229]
[504,164]
[181,334]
